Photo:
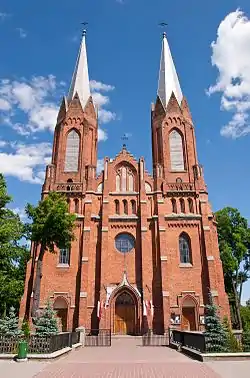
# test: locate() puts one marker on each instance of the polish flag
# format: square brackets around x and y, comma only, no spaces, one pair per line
[145,313]
[152,308]
[99,310]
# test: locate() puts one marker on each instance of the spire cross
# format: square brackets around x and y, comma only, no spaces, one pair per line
[84,30]
[124,138]
[163,25]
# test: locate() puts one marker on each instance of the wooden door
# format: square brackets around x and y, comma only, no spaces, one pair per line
[188,322]
[124,319]
[63,315]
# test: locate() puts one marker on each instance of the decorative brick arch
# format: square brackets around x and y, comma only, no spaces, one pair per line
[61,306]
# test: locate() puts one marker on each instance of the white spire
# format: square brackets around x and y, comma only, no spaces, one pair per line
[80,79]
[168,79]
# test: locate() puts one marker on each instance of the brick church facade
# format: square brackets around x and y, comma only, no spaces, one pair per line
[146,250]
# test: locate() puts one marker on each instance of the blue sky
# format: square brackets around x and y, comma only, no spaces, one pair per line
[39,44]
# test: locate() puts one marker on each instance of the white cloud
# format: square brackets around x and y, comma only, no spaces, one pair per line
[22,32]
[100,166]
[102,135]
[231,56]
[25,161]
[105,116]
[35,98]
[4,104]
[3,143]
[99,86]
[100,100]
[21,212]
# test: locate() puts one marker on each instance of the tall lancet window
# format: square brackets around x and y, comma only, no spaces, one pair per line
[72,152]
[176,151]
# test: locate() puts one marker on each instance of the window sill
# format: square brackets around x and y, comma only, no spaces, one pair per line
[185,265]
[62,266]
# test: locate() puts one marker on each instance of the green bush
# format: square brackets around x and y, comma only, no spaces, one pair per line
[26,328]
[46,324]
[232,345]
[246,340]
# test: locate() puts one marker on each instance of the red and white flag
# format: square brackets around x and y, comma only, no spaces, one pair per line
[151,308]
[99,310]
[145,313]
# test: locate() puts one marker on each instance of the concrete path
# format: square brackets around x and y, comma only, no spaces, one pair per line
[125,359]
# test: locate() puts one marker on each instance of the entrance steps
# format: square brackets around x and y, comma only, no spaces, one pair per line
[125,337]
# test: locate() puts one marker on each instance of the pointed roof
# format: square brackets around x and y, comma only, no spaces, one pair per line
[168,79]
[80,80]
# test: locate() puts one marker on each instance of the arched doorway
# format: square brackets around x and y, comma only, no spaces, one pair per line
[61,308]
[188,318]
[125,314]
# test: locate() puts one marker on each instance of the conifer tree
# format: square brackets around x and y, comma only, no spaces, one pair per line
[9,325]
[46,323]
[216,338]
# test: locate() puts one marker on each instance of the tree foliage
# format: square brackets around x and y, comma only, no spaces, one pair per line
[216,338]
[234,244]
[51,226]
[13,255]
[46,323]
[9,324]
[232,345]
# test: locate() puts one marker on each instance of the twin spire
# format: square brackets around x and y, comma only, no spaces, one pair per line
[80,80]
[168,79]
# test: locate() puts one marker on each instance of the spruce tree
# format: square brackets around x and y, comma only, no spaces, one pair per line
[9,325]
[216,338]
[46,324]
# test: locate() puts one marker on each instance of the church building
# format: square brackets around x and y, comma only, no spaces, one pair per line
[146,250]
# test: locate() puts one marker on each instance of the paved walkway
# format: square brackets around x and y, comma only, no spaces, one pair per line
[125,359]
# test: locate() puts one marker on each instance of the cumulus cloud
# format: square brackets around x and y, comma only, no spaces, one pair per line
[101,100]
[102,135]
[21,212]
[36,98]
[25,161]
[231,56]
[100,166]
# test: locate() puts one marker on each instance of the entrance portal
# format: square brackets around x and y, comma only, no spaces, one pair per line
[188,318]
[61,308]
[125,314]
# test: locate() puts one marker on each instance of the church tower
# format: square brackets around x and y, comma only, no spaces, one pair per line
[187,232]
[74,156]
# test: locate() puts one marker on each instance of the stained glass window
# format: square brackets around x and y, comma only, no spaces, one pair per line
[124,242]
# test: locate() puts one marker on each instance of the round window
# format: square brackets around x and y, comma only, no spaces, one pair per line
[124,243]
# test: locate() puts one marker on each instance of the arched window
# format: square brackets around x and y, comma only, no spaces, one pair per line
[182,205]
[125,207]
[64,256]
[133,206]
[76,205]
[176,151]
[130,182]
[174,206]
[191,205]
[125,180]
[118,182]
[117,207]
[185,249]
[72,152]
[148,187]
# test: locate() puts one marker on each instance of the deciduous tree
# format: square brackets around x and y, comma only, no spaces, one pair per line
[51,226]
[234,244]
